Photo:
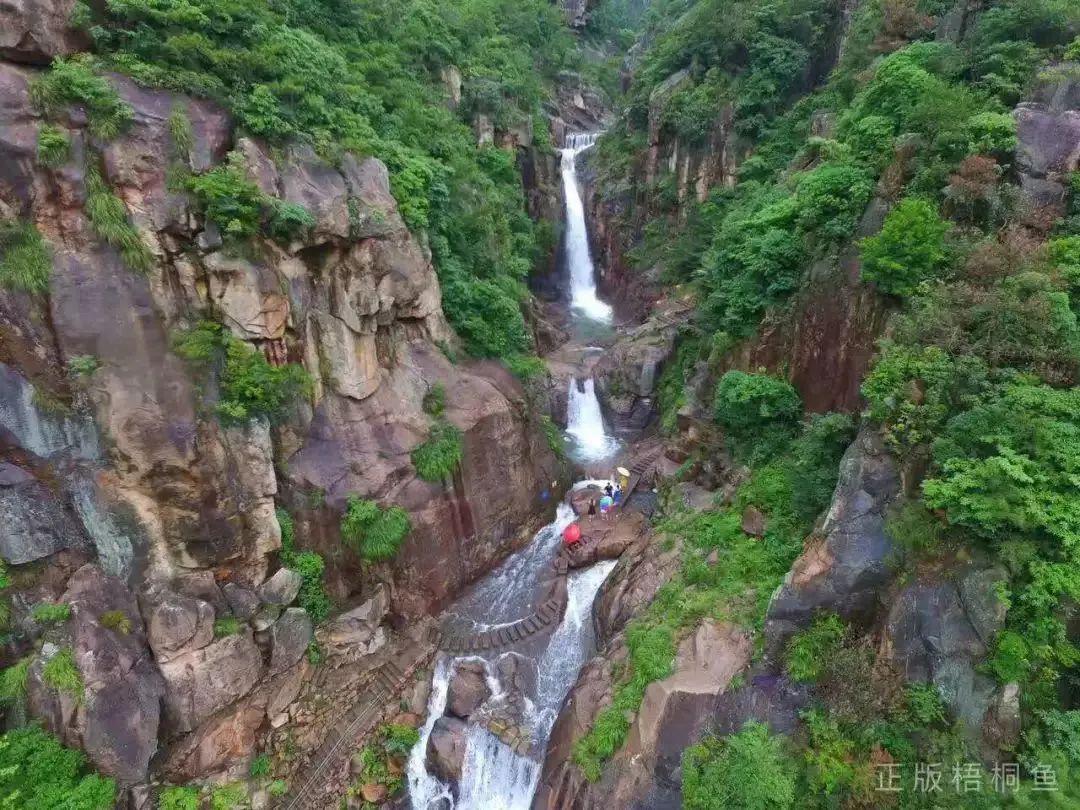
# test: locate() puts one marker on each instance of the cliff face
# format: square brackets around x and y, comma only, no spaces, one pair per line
[123,473]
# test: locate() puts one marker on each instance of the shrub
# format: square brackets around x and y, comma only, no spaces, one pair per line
[260,766]
[315,654]
[756,411]
[991,133]
[49,613]
[250,388]
[374,533]
[37,772]
[313,596]
[553,435]
[398,739]
[435,400]
[116,620]
[748,770]
[815,456]
[526,367]
[831,199]
[83,365]
[25,260]
[109,217]
[809,651]
[277,788]
[228,797]
[53,146]
[226,626]
[440,453]
[61,673]
[924,705]
[180,131]
[227,198]
[178,798]
[73,81]
[13,680]
[909,249]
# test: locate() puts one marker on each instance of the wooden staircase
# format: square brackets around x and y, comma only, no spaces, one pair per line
[640,467]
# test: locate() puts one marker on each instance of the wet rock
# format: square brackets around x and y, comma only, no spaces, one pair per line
[1047,140]
[243,602]
[123,688]
[35,31]
[842,569]
[468,689]
[202,682]
[606,539]
[176,623]
[289,639]
[33,522]
[580,499]
[281,588]
[753,521]
[445,754]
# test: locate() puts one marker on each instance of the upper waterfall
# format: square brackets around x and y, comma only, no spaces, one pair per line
[583,298]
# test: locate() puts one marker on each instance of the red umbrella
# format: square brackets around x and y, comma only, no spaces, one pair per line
[571,534]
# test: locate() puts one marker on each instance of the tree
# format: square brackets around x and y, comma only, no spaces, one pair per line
[748,770]
[909,249]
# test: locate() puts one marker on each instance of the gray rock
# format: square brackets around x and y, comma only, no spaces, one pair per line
[201,585]
[468,689]
[124,688]
[243,602]
[446,749]
[289,639]
[281,588]
[842,570]
[265,617]
[176,623]
[1047,140]
[33,522]
[358,630]
[202,682]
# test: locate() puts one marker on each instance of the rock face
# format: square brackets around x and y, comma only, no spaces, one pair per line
[939,632]
[33,522]
[289,639]
[446,749]
[1048,129]
[845,565]
[37,30]
[281,588]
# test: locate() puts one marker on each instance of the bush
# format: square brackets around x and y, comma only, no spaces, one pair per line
[260,766]
[748,770]
[83,365]
[435,400]
[556,441]
[815,456]
[61,673]
[73,81]
[250,388]
[13,680]
[25,260]
[924,705]
[440,453]
[178,798]
[374,533]
[831,199]
[910,248]
[49,613]
[53,146]
[309,565]
[809,651]
[756,411]
[38,773]
[227,198]
[228,797]
[109,217]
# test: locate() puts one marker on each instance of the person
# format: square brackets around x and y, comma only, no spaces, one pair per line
[617,497]
[605,506]
[608,490]
[592,508]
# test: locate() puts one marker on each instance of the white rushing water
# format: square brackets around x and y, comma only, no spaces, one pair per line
[583,298]
[585,423]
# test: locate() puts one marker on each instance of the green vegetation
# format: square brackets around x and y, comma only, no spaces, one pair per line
[25,260]
[53,146]
[74,81]
[227,626]
[109,217]
[38,773]
[310,566]
[440,454]
[909,250]
[553,435]
[228,797]
[61,673]
[178,798]
[260,766]
[373,532]
[435,400]
[749,770]
[83,365]
[13,680]
[757,412]
[116,620]
[249,387]
[50,613]
[382,760]
[809,650]
[365,77]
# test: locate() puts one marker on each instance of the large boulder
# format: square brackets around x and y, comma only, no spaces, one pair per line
[468,689]
[281,588]
[1048,129]
[445,754]
[176,623]
[359,631]
[123,687]
[844,566]
[202,682]
[289,639]
[35,31]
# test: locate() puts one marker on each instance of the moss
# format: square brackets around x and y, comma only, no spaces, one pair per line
[227,626]
[116,620]
[25,260]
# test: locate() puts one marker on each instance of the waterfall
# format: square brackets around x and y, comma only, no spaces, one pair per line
[583,298]
[585,423]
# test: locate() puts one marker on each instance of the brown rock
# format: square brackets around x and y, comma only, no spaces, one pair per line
[446,749]
[467,690]
[35,31]
[754,521]
[373,792]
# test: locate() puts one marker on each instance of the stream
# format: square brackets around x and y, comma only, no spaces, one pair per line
[494,776]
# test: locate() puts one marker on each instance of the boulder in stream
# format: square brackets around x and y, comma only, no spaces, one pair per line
[468,689]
